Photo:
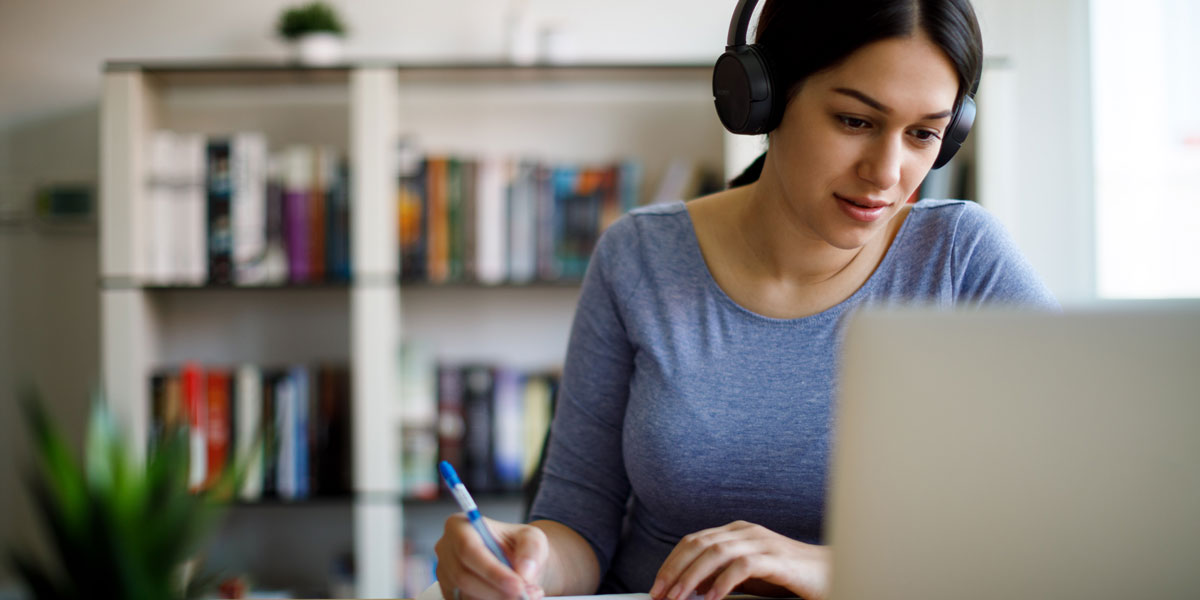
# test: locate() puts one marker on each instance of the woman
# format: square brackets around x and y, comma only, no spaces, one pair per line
[690,446]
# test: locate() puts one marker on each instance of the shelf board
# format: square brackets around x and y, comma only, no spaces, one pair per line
[256,65]
[126,284]
[264,71]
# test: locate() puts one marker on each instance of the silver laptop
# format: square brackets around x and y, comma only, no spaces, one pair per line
[1006,455]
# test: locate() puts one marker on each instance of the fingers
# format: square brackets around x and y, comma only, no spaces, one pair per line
[529,552]
[697,557]
[465,563]
[736,571]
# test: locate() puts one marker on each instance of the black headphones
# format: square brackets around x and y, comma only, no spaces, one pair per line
[747,103]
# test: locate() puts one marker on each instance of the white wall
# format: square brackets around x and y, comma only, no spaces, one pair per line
[51,53]
[1036,154]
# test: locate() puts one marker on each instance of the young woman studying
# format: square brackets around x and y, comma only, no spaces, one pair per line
[690,446]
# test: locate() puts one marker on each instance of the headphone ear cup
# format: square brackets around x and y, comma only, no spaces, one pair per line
[744,91]
[957,131]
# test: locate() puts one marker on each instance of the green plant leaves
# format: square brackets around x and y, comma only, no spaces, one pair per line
[309,18]
[118,528]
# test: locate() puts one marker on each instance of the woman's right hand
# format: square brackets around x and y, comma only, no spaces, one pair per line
[465,564]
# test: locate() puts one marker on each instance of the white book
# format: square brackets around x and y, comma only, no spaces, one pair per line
[491,226]
[248,163]
[249,442]
[191,212]
[161,181]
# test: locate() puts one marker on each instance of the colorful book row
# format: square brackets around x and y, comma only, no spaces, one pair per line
[291,424]
[223,210]
[495,220]
[489,422]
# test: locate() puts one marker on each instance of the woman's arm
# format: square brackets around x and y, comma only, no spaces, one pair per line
[571,568]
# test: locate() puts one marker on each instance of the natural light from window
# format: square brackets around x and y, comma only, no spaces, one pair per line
[1146,117]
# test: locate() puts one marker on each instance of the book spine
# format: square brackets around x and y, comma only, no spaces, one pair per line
[536,415]
[451,420]
[438,257]
[249,442]
[478,410]
[338,225]
[196,405]
[249,207]
[285,427]
[508,431]
[302,412]
[469,221]
[455,220]
[522,220]
[270,460]
[297,185]
[220,226]
[412,209]
[217,432]
[491,225]
[192,248]
[323,168]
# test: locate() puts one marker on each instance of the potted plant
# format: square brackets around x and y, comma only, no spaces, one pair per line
[315,33]
[117,527]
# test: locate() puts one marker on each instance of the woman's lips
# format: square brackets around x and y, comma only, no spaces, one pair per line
[865,210]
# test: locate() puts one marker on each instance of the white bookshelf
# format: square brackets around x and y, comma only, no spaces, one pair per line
[576,114]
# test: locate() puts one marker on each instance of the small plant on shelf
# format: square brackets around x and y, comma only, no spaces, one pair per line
[315,32]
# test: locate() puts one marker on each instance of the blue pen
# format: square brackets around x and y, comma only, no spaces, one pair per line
[463,497]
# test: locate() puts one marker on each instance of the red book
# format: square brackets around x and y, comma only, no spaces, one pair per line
[217,439]
[195,406]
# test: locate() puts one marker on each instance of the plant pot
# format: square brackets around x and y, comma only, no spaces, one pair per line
[317,49]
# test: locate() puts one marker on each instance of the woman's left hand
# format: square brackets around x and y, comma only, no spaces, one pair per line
[746,556]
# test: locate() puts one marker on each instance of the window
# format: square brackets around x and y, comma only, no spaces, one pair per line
[1146,123]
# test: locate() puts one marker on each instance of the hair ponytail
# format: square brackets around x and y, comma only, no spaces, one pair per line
[751,174]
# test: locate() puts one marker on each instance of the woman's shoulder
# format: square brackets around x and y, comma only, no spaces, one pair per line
[654,225]
[962,220]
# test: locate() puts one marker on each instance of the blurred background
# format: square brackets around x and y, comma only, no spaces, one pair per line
[1087,148]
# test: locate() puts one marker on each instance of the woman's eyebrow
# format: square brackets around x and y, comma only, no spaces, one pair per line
[883,108]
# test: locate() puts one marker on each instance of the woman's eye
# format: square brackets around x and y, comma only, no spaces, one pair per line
[852,122]
[925,135]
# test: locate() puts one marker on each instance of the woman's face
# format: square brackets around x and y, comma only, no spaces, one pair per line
[857,139]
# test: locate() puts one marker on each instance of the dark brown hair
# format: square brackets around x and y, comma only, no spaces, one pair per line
[803,37]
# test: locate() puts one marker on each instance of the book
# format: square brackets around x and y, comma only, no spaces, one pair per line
[451,425]
[195,403]
[412,215]
[191,254]
[163,181]
[219,232]
[438,234]
[248,443]
[508,430]
[478,443]
[331,426]
[490,223]
[217,430]
[523,220]
[248,172]
[338,225]
[297,185]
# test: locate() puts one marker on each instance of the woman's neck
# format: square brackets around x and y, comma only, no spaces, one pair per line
[779,246]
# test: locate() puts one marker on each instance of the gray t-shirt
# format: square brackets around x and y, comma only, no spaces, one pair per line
[680,410]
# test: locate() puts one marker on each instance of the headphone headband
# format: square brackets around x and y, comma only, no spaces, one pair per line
[741,22]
